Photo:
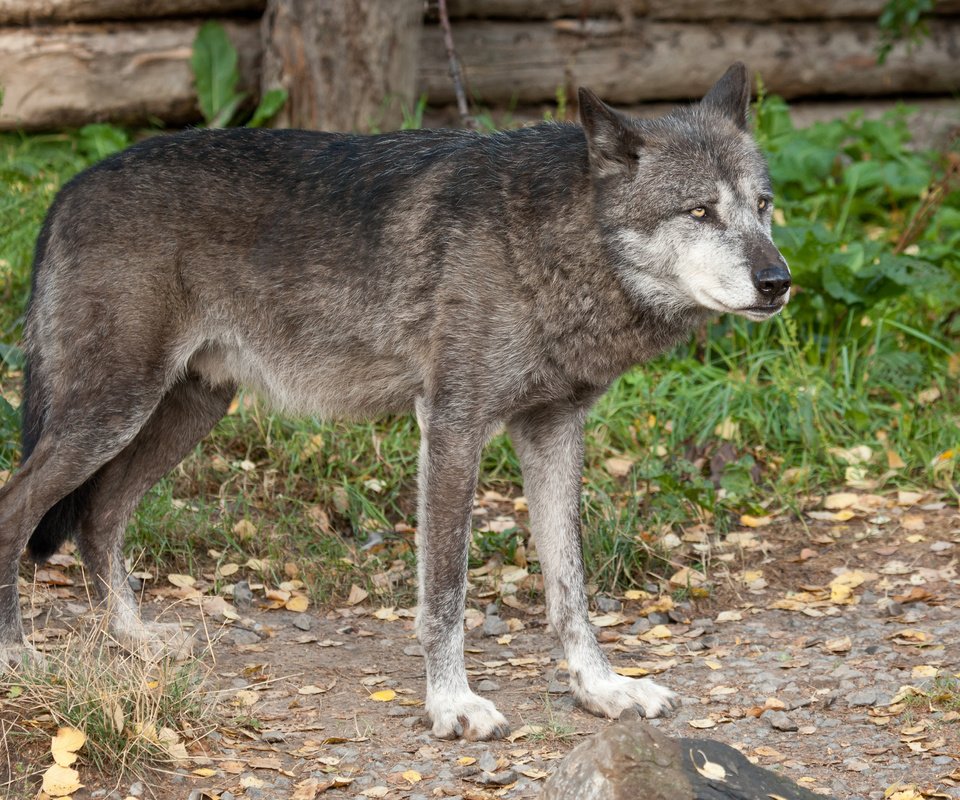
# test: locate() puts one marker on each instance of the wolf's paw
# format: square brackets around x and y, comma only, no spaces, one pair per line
[14,657]
[155,640]
[612,694]
[466,715]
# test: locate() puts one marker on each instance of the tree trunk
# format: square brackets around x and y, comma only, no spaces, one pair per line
[347,65]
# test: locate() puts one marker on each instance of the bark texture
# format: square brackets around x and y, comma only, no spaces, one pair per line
[348,65]
[23,12]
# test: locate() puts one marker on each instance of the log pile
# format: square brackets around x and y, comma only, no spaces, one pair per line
[66,62]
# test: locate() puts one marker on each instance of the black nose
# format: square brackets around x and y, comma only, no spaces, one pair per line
[772,282]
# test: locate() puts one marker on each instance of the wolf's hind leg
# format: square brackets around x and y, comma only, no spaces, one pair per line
[549,442]
[186,414]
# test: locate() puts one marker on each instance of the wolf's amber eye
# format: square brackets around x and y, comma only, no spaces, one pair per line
[699,212]
[762,203]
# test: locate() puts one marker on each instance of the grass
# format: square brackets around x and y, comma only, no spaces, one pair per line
[137,715]
[745,419]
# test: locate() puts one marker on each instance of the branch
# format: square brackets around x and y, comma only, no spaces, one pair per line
[456,72]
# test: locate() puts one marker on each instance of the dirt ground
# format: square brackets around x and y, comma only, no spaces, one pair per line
[797,656]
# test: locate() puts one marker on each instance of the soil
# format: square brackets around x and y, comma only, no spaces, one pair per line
[807,690]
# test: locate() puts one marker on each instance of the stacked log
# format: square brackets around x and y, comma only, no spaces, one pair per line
[67,62]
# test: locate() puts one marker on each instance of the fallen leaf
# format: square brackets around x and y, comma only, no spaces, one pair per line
[619,467]
[65,744]
[383,696]
[840,645]
[835,502]
[894,461]
[754,522]
[728,429]
[710,769]
[298,603]
[412,776]
[357,595]
[524,731]
[182,581]
[729,616]
[245,529]
[59,781]
[702,723]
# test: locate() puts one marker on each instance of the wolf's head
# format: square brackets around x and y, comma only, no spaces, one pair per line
[685,202]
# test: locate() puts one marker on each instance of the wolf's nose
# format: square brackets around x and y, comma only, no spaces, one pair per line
[772,282]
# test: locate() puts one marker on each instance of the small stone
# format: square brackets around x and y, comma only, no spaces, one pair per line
[779,721]
[487,762]
[607,605]
[497,778]
[658,618]
[942,761]
[137,789]
[227,796]
[865,697]
[494,626]
[413,650]
[410,722]
[303,622]
[487,685]
[240,636]
[556,687]
[242,595]
[137,585]
[642,625]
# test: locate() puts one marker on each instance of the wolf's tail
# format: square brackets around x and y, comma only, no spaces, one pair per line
[62,520]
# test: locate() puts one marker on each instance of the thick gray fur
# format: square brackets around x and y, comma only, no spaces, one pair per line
[478,279]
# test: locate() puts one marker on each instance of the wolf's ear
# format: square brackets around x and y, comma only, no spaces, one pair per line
[612,141]
[730,96]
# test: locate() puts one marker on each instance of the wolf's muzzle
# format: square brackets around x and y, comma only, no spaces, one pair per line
[772,282]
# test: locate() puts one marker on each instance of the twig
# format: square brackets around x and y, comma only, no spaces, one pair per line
[456,72]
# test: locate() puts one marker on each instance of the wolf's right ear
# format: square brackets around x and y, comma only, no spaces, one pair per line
[612,141]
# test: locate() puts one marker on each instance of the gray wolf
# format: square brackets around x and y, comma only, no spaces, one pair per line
[478,280]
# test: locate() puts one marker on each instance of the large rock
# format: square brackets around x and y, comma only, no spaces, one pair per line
[631,759]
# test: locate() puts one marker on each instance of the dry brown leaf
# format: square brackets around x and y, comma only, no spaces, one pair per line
[59,781]
[357,595]
[181,581]
[619,467]
[298,603]
[65,744]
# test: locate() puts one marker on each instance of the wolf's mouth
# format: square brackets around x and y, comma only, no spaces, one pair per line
[773,308]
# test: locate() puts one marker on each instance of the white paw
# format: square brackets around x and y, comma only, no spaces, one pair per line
[466,715]
[155,640]
[612,694]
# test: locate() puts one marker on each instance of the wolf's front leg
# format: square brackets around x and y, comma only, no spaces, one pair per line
[449,461]
[549,442]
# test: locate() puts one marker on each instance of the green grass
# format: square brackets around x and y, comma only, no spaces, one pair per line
[741,420]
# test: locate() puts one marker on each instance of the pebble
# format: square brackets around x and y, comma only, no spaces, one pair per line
[496,778]
[413,650]
[242,595]
[779,721]
[608,605]
[303,621]
[494,626]
[658,618]
[642,625]
[487,685]
[273,737]
[240,636]
[865,697]
[137,789]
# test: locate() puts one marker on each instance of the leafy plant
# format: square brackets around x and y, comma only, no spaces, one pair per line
[216,76]
[902,20]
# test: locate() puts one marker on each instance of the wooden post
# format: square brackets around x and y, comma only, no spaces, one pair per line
[348,65]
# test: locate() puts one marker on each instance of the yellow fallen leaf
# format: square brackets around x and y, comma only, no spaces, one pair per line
[524,731]
[712,664]
[894,461]
[924,671]
[226,570]
[835,502]
[204,772]
[619,467]
[729,616]
[61,781]
[357,595]
[466,761]
[245,529]
[182,581]
[383,696]
[411,776]
[375,791]
[65,744]
[710,769]
[298,603]
[246,697]
[636,594]
[754,522]
[841,595]
[728,429]
[631,672]
[702,723]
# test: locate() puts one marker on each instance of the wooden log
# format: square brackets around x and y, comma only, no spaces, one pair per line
[678,9]
[630,759]
[347,65]
[72,75]
[24,12]
[528,62]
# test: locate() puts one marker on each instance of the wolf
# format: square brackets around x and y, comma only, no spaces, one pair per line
[478,280]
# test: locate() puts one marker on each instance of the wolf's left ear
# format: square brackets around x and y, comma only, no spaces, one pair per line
[730,96]
[613,142]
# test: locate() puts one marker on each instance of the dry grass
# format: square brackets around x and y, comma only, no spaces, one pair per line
[138,715]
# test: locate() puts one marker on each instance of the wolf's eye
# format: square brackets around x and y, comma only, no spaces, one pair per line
[699,212]
[762,203]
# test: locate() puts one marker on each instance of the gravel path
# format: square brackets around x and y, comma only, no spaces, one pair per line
[805,688]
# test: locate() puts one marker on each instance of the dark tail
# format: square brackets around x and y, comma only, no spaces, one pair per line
[62,520]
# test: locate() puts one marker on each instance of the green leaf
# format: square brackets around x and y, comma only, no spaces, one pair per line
[270,104]
[215,72]
[226,114]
